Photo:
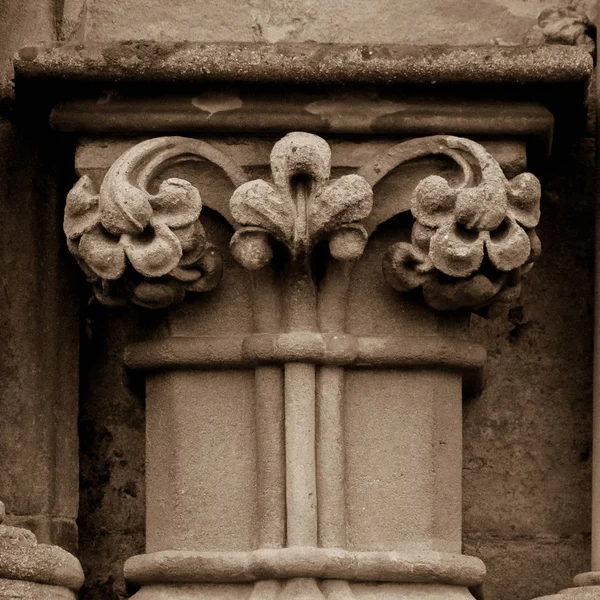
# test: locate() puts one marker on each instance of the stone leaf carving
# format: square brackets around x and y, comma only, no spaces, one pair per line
[301,206]
[142,247]
[471,244]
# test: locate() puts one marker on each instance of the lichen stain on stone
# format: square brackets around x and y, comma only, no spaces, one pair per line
[215,102]
[338,110]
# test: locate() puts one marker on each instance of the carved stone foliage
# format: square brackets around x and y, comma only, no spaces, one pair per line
[470,244]
[301,207]
[145,247]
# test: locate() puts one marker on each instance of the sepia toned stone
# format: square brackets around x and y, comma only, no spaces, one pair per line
[458,227]
[32,571]
[303,416]
[134,245]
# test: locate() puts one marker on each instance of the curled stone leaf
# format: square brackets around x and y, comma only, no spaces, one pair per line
[524,192]
[433,201]
[509,248]
[456,251]
[405,268]
[154,253]
[258,204]
[481,208]
[192,239]
[125,210]
[145,248]
[177,203]
[472,237]
[103,254]
[344,200]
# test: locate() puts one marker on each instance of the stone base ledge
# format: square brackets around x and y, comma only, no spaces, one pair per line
[291,563]
[305,589]
[11,589]
[26,566]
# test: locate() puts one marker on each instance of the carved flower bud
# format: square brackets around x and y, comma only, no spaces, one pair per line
[348,242]
[300,153]
[433,201]
[251,248]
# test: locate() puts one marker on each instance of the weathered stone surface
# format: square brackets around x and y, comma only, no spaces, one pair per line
[528,437]
[566,25]
[457,228]
[149,61]
[111,429]
[23,23]
[39,353]
[32,571]
[523,567]
[300,213]
[429,21]
[513,352]
[148,248]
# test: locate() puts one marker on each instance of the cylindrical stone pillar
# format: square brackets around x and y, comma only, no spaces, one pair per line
[303,416]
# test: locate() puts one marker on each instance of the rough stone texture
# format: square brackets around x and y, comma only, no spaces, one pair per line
[31,570]
[528,431]
[39,354]
[23,23]
[507,504]
[111,430]
[410,21]
[456,228]
[528,437]
[136,245]
[187,62]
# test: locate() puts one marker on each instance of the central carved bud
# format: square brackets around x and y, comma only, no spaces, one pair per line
[301,206]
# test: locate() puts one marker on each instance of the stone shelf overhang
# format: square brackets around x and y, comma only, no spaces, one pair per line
[369,89]
[314,224]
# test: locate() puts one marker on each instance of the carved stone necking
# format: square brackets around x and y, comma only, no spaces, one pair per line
[470,244]
[142,247]
[301,207]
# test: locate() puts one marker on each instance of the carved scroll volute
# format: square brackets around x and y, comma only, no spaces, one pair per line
[471,244]
[145,248]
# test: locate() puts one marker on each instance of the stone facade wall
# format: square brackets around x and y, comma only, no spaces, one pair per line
[527,438]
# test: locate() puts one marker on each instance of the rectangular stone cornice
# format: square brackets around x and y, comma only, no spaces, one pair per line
[305,63]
